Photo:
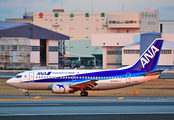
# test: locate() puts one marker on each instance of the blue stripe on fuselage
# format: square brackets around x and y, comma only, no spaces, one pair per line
[110,73]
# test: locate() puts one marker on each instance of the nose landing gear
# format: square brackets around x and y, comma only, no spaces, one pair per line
[84,93]
[26,94]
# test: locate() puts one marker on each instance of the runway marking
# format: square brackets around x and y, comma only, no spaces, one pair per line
[37,97]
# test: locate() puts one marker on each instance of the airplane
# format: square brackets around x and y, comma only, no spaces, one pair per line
[70,81]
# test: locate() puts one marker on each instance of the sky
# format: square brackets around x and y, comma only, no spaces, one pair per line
[16,8]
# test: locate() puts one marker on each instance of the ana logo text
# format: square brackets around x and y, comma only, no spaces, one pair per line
[43,73]
[150,54]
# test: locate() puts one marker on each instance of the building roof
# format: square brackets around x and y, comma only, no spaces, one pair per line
[9,29]
[8,25]
[130,45]
[165,44]
[168,44]
[166,20]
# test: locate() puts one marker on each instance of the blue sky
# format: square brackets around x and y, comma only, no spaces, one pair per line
[16,8]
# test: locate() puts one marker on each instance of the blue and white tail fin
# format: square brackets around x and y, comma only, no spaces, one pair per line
[149,59]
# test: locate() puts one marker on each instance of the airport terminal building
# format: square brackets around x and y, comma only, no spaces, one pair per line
[106,39]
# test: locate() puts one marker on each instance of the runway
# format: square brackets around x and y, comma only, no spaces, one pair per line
[121,109]
[77,97]
[75,107]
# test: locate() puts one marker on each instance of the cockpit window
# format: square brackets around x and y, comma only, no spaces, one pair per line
[18,76]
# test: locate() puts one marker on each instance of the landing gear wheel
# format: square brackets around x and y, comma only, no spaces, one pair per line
[26,94]
[84,93]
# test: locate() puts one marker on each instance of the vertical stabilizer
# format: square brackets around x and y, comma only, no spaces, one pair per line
[149,59]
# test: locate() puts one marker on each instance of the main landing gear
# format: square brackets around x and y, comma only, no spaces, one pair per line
[84,93]
[26,94]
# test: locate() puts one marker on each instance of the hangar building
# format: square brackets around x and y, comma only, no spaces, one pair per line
[44,43]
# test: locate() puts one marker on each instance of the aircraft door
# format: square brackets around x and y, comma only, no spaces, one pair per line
[31,76]
[128,77]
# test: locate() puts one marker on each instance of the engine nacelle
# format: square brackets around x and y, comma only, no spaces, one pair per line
[61,88]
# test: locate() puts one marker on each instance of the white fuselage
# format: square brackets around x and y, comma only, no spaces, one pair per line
[31,80]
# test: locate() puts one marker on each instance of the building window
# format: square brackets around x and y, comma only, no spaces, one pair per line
[71,19]
[151,23]
[131,51]
[87,19]
[53,48]
[114,52]
[114,63]
[127,31]
[71,28]
[103,19]
[35,48]
[56,19]
[103,28]
[46,19]
[166,51]
[87,28]
[87,37]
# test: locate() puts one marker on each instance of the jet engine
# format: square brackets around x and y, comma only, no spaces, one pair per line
[61,88]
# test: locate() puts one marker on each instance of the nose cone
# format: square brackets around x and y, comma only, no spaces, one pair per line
[9,82]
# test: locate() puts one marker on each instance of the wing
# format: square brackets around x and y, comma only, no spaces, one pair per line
[157,72]
[85,85]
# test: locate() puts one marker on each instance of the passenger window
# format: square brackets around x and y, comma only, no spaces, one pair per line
[41,76]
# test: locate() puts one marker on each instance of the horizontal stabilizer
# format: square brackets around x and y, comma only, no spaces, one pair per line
[157,72]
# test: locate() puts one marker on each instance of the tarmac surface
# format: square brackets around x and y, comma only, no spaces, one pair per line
[74,107]
[88,109]
[78,97]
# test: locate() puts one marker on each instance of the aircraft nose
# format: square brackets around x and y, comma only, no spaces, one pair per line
[9,82]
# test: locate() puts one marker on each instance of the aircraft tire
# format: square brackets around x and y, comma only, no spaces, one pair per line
[84,93]
[26,94]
